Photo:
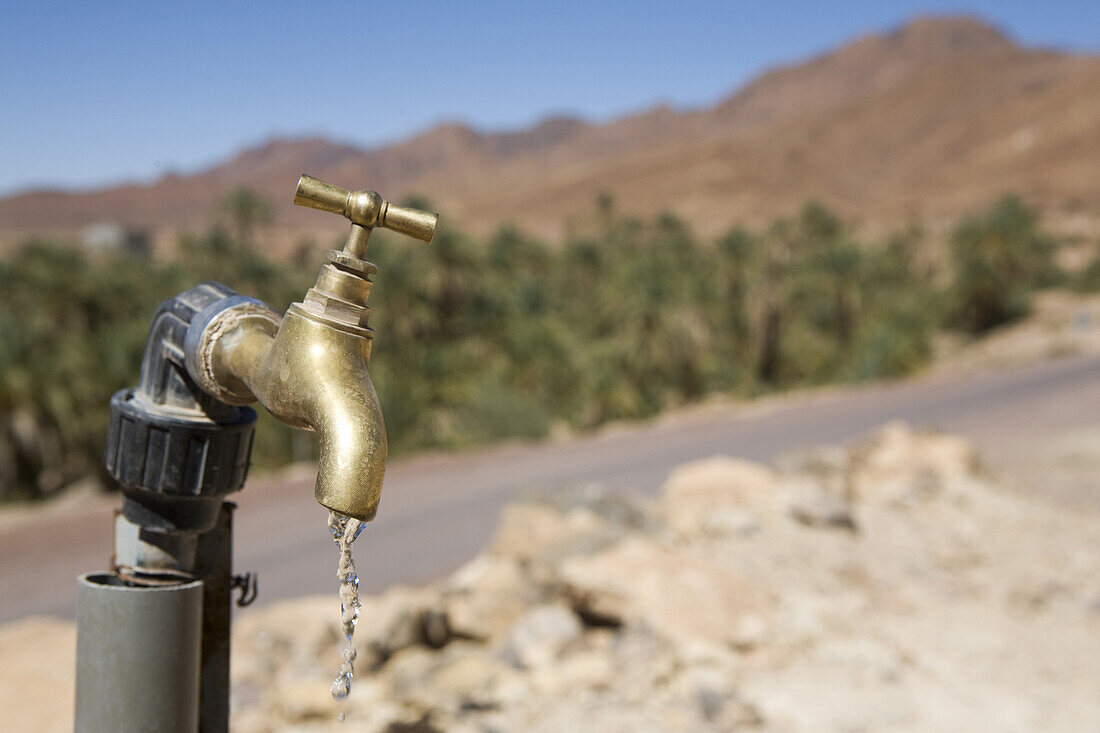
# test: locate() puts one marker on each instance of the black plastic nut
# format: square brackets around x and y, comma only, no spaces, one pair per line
[154,451]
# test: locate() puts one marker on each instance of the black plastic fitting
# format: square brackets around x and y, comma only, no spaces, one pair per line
[175,450]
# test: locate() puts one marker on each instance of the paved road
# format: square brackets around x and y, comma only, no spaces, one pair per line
[438,510]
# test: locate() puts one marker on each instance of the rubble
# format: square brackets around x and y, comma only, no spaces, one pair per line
[891,585]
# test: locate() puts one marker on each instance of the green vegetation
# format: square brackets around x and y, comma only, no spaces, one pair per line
[247,212]
[998,259]
[479,340]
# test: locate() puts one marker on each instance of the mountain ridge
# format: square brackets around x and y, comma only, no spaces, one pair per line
[928,120]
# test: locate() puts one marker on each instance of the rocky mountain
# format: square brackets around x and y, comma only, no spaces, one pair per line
[931,120]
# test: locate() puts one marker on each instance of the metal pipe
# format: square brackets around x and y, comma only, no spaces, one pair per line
[142,555]
[214,564]
[137,656]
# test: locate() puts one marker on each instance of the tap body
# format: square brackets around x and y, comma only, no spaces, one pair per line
[309,369]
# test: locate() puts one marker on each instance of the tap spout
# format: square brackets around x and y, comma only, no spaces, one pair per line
[310,372]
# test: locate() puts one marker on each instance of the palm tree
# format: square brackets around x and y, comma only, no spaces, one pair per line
[247,211]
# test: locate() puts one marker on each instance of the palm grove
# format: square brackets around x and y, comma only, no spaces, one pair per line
[481,339]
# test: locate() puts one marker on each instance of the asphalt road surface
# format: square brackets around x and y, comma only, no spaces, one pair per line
[438,510]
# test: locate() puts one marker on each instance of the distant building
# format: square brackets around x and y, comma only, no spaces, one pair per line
[110,236]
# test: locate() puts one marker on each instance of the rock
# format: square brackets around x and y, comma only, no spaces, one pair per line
[899,464]
[814,506]
[711,689]
[469,676]
[421,724]
[698,653]
[680,595]
[486,595]
[539,532]
[488,573]
[729,522]
[513,688]
[719,495]
[574,674]
[639,646]
[290,637]
[300,701]
[820,461]
[589,668]
[407,670]
[524,529]
[400,618]
[460,727]
[540,635]
[461,679]
[615,507]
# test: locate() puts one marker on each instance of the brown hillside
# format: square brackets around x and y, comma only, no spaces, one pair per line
[931,120]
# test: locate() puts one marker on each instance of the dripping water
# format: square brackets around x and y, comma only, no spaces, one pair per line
[344,532]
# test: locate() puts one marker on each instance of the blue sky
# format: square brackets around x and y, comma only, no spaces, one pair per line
[98,93]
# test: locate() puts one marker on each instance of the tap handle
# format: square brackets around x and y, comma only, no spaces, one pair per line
[365,208]
[317,194]
[409,221]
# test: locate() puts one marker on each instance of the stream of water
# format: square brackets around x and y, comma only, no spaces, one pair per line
[344,532]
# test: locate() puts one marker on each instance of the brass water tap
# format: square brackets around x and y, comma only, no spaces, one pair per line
[309,367]
[179,443]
